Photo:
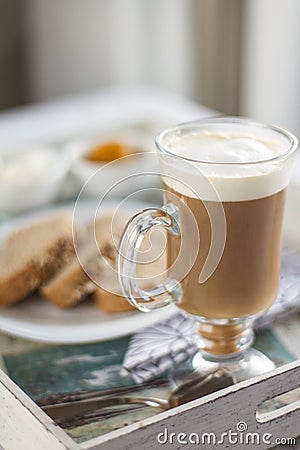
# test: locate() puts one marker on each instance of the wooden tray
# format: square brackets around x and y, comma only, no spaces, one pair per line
[25,426]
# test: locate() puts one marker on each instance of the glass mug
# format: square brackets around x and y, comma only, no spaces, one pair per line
[224,182]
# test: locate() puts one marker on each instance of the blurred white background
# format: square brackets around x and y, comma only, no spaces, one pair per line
[239,56]
[270,88]
[76,45]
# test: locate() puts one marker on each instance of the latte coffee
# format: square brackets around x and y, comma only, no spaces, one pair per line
[243,172]
[245,281]
[224,181]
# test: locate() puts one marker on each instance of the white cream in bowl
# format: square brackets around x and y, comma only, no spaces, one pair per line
[30,178]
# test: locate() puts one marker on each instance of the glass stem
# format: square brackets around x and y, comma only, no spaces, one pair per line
[224,338]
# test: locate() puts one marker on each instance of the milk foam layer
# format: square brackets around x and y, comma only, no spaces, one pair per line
[227,166]
[221,147]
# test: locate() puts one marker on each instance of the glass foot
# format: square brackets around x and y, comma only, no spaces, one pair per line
[247,365]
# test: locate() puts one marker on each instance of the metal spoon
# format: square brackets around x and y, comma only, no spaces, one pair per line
[196,387]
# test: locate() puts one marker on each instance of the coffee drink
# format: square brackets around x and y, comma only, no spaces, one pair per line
[245,281]
[224,181]
[240,173]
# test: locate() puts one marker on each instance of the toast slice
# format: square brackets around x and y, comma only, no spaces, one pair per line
[149,274]
[111,303]
[32,255]
[72,284]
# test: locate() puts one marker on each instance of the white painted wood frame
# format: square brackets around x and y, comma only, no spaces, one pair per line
[23,425]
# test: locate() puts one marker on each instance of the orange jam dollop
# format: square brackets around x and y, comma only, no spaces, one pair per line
[109,151]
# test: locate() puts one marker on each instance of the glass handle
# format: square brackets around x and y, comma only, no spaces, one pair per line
[169,291]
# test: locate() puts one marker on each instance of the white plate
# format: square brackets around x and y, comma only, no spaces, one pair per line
[39,320]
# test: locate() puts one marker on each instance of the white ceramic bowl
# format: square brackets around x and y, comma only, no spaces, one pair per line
[31,178]
[119,177]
